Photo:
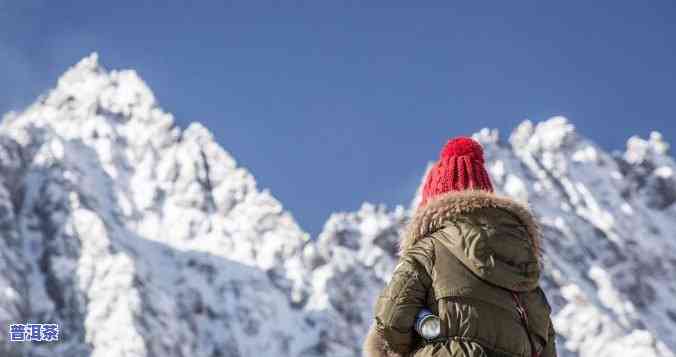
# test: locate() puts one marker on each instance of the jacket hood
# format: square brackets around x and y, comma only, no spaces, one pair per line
[432,216]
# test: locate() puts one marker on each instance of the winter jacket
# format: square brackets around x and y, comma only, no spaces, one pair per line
[468,256]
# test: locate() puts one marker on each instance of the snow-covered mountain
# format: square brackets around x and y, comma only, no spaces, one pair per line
[142,239]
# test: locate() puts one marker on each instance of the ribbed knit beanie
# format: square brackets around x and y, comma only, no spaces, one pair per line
[460,167]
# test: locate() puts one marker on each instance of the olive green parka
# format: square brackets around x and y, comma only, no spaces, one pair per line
[472,257]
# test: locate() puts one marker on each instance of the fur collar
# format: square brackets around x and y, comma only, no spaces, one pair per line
[429,218]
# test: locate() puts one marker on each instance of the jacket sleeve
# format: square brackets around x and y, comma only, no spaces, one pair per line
[404,296]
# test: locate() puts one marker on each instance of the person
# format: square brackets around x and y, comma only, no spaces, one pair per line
[472,258]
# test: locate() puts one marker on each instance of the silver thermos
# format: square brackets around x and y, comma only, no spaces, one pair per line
[427,324]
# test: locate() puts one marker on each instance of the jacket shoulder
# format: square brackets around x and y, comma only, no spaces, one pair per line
[422,253]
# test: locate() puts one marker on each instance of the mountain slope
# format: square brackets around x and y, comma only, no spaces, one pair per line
[142,239]
[139,238]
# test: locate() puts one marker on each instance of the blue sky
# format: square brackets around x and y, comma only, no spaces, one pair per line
[330,104]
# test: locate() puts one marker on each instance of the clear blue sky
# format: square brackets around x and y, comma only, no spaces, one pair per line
[331,105]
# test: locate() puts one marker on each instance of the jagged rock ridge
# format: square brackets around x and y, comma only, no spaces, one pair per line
[142,239]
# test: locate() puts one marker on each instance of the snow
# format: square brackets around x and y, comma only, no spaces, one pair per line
[144,239]
[639,150]
[516,188]
[664,172]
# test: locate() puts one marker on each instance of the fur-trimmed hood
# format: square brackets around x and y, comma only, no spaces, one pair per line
[430,217]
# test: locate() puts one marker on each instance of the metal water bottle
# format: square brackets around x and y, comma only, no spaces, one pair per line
[427,324]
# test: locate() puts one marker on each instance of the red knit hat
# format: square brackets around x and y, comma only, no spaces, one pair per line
[460,167]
